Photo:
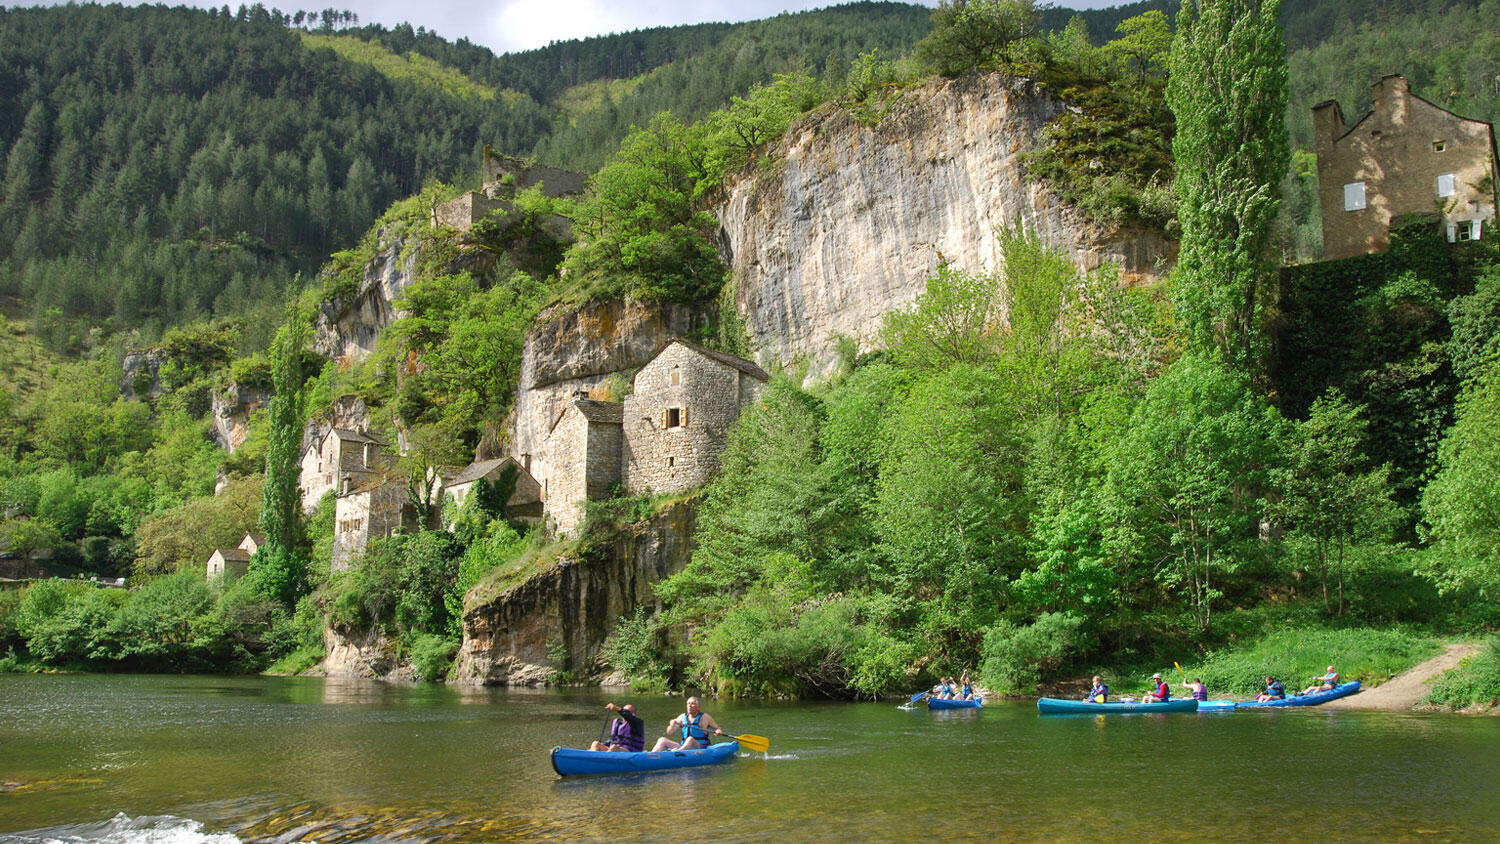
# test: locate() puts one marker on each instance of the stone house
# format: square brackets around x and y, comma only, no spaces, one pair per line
[341,459]
[1407,156]
[666,437]
[525,501]
[230,563]
[376,509]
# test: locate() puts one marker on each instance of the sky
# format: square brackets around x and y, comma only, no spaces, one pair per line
[507,26]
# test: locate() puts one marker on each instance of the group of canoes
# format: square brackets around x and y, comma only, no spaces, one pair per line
[1325,687]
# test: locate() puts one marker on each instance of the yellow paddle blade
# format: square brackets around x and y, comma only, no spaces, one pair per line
[754,744]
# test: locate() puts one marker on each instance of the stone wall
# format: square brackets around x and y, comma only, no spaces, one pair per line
[579,462]
[463,212]
[573,349]
[856,218]
[1399,160]
[677,420]
[570,609]
[372,512]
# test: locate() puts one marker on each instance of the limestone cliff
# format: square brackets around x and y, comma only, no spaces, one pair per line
[363,654]
[852,219]
[348,328]
[574,349]
[231,410]
[558,620]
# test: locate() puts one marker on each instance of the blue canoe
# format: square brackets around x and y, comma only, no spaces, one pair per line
[1311,699]
[951,703]
[569,762]
[1058,706]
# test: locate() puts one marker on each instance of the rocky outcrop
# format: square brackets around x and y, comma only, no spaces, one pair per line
[362,654]
[348,329]
[575,349]
[140,374]
[231,411]
[853,219]
[558,620]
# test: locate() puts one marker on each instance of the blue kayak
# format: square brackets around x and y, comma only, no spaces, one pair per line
[953,703]
[1059,706]
[1310,699]
[570,762]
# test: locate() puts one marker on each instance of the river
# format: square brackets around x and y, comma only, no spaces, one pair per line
[127,759]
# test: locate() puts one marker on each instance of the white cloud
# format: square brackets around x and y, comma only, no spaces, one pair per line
[527,24]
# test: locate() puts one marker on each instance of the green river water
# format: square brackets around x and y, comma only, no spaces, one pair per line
[202,759]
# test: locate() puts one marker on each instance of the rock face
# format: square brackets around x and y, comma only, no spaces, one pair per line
[574,350]
[349,329]
[140,374]
[362,654]
[856,218]
[231,411]
[558,620]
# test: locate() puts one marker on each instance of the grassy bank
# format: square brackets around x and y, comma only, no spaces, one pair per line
[1475,683]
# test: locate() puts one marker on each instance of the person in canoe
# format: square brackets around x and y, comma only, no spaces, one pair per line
[944,689]
[1274,691]
[966,686]
[1324,683]
[1199,691]
[1161,694]
[1099,693]
[627,733]
[695,726]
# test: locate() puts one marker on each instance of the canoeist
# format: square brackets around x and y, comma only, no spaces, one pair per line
[967,686]
[695,725]
[1200,691]
[944,689]
[1099,693]
[1324,683]
[1162,694]
[1274,691]
[627,733]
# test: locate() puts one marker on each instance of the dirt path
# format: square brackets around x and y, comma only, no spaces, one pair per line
[1407,688]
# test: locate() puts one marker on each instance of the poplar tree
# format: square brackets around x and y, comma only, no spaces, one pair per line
[1228,91]
[279,568]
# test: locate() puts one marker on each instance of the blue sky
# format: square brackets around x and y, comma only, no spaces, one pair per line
[510,25]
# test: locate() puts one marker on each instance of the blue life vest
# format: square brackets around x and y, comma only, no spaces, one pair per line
[690,728]
[968,691]
[1163,691]
[1276,690]
[945,689]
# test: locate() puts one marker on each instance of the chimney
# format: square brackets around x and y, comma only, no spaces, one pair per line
[1328,125]
[345,485]
[1390,99]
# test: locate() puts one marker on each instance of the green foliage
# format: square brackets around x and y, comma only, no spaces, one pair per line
[970,34]
[1475,682]
[183,537]
[1476,325]
[399,585]
[1228,92]
[431,655]
[637,647]
[1327,493]
[279,569]
[411,67]
[499,545]
[1462,503]
[955,320]
[1015,658]
[1183,482]
[1295,656]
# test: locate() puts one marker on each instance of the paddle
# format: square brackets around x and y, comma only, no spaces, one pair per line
[918,696]
[1180,671]
[754,744]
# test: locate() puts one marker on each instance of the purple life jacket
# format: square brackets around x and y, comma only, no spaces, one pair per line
[620,734]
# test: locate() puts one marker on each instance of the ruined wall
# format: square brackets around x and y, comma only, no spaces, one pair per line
[570,609]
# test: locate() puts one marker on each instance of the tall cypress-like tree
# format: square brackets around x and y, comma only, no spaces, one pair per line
[279,568]
[1228,90]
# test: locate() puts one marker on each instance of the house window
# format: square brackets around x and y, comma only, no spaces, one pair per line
[1466,230]
[676,376]
[674,418]
[1439,146]
[671,461]
[1354,196]
[1445,185]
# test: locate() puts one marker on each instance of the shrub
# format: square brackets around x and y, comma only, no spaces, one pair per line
[431,655]
[638,647]
[1476,680]
[1014,657]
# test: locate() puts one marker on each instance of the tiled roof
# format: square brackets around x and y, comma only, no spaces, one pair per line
[606,412]
[237,554]
[475,471]
[741,364]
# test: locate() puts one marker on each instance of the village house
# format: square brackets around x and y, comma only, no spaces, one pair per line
[226,564]
[1406,157]
[376,509]
[340,459]
[666,437]
[525,501]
